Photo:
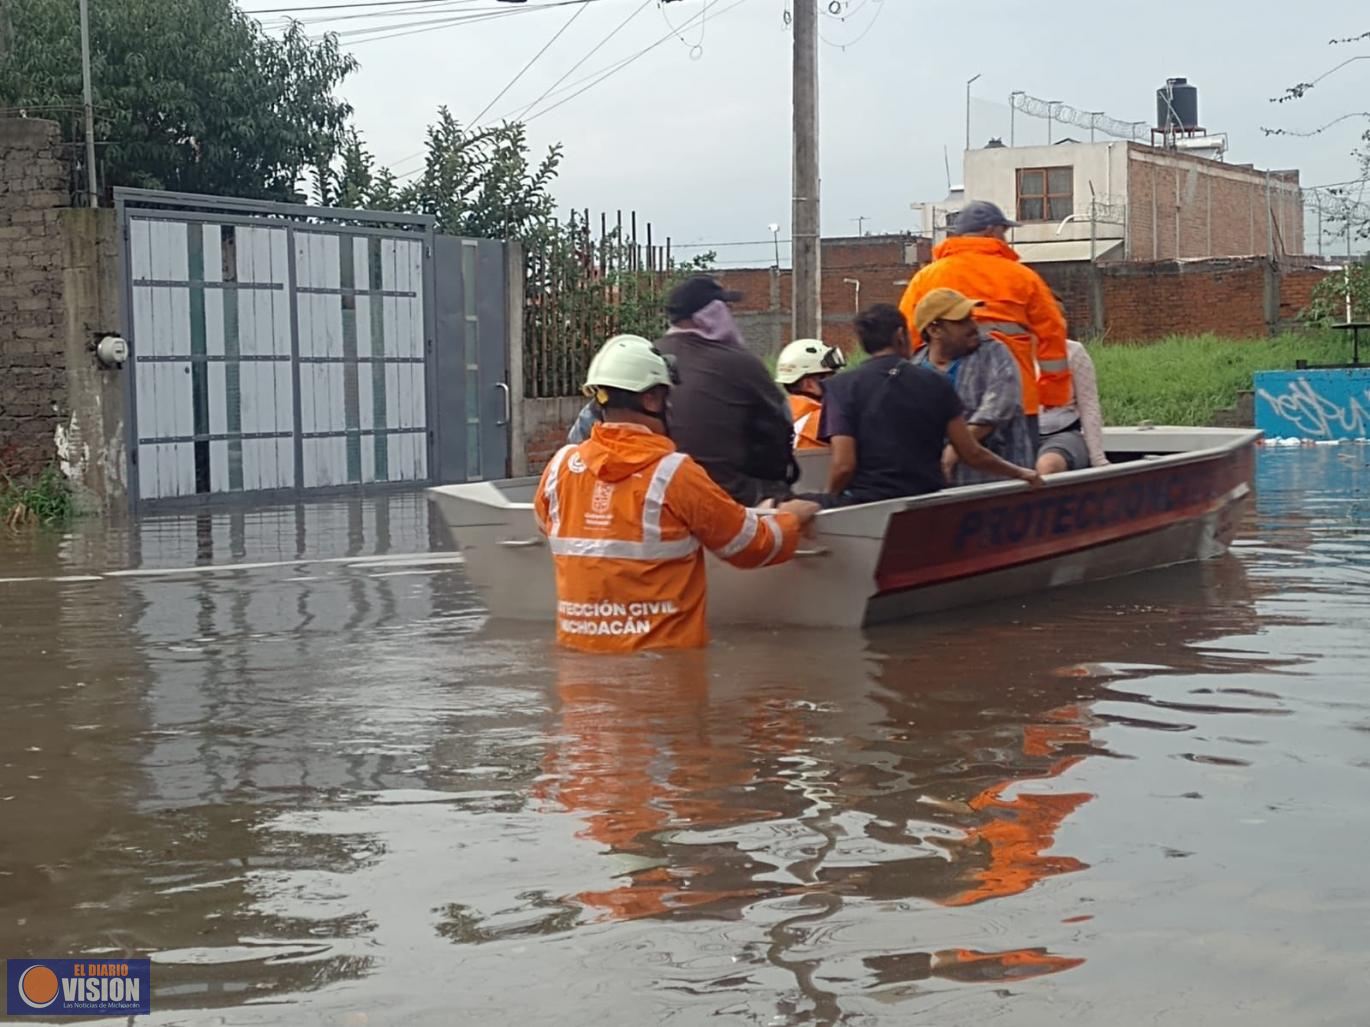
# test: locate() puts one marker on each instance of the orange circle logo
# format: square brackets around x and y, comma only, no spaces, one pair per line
[38,987]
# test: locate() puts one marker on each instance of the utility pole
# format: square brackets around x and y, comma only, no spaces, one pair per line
[860,224]
[92,187]
[806,255]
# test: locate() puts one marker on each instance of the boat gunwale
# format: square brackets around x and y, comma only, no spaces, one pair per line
[1240,438]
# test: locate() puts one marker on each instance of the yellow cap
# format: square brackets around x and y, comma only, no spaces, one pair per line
[943,305]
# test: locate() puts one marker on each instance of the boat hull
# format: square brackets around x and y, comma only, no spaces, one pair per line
[1175,498]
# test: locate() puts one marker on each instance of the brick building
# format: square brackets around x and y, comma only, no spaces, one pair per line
[1136,202]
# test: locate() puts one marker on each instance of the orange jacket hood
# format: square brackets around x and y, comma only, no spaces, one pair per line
[615,451]
[973,244]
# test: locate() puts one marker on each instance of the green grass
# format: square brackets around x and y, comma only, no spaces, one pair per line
[45,500]
[1186,380]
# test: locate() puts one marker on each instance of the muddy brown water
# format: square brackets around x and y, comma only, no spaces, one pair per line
[317,787]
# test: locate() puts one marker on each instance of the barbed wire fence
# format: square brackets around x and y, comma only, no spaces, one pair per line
[1337,219]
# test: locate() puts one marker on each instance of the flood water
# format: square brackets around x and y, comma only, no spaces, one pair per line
[320,788]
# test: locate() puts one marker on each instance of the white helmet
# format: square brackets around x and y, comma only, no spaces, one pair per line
[807,356]
[630,363]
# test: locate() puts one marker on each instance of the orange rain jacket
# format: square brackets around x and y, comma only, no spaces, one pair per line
[1019,310]
[625,515]
[806,412]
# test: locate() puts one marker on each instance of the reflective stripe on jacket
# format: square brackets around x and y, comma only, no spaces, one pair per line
[1019,310]
[806,412]
[626,517]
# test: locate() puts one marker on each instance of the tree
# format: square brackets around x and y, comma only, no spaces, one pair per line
[190,95]
[476,182]
[581,287]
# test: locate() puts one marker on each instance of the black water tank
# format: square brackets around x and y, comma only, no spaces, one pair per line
[1177,105]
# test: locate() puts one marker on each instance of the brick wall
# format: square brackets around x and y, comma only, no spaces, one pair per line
[1146,300]
[1135,300]
[1181,206]
[880,264]
[1070,280]
[1296,290]
[33,182]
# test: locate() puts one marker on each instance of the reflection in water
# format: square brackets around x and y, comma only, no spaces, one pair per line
[317,789]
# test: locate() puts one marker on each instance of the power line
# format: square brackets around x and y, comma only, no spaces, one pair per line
[349,6]
[414,8]
[587,82]
[448,18]
[522,71]
[879,7]
[420,153]
[598,46]
[379,32]
[614,69]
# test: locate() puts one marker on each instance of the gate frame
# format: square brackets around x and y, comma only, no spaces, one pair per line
[200,209]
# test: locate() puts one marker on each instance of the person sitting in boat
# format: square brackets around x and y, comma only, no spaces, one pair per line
[1019,309]
[985,375]
[626,515]
[887,420]
[726,413]
[1073,434]
[804,365]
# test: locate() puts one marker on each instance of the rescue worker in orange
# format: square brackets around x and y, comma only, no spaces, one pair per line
[1019,308]
[804,365]
[626,515]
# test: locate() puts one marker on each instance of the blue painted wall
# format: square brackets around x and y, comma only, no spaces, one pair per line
[1333,404]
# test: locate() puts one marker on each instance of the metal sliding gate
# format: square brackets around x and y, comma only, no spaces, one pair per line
[278,351]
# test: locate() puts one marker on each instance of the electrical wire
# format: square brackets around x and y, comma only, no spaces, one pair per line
[522,71]
[879,9]
[614,69]
[581,85]
[446,17]
[379,32]
[572,69]
[696,49]
[348,6]
[415,8]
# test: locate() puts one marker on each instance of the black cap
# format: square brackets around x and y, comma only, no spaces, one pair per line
[694,294]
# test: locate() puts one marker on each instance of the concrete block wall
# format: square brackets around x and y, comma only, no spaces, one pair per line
[91,442]
[33,388]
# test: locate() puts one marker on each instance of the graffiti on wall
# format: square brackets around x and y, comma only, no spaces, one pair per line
[1319,405]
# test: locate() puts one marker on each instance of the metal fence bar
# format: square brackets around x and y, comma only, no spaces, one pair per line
[173,201]
[586,282]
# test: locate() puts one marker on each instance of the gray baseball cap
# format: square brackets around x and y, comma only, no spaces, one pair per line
[978,215]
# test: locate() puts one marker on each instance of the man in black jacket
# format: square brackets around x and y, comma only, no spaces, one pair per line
[726,412]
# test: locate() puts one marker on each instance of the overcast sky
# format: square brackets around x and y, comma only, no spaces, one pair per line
[695,135]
